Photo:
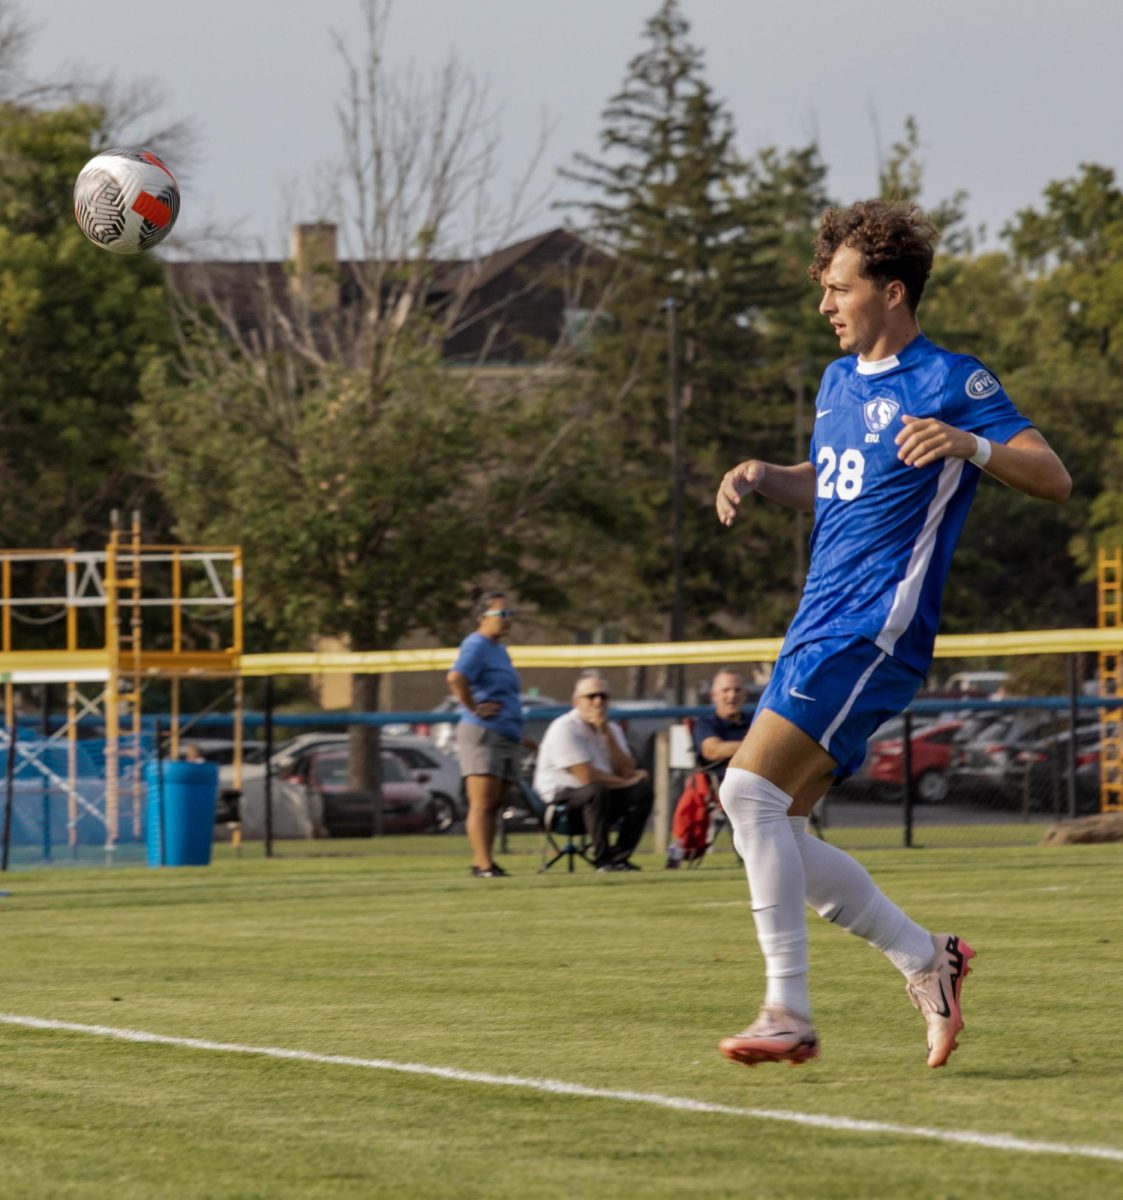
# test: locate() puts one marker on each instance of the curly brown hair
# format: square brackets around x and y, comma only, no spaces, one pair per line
[896,241]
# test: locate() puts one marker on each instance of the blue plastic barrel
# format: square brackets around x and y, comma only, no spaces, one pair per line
[190,793]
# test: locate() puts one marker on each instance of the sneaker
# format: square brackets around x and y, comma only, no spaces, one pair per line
[777,1035]
[485,873]
[935,992]
[626,864]
[497,871]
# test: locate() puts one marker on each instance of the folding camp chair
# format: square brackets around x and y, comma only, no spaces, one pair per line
[718,819]
[562,822]
[705,774]
[563,831]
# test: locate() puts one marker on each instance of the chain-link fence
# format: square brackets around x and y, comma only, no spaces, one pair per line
[56,805]
[972,773]
[953,770]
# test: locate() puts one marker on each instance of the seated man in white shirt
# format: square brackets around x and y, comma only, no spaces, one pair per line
[584,762]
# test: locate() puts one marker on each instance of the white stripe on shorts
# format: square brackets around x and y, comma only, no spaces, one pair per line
[844,711]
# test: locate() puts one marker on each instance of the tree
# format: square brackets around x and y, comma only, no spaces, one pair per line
[901,177]
[690,223]
[993,306]
[76,328]
[1070,339]
[369,483]
[77,325]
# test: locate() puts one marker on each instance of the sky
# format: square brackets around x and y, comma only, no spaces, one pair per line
[1008,94]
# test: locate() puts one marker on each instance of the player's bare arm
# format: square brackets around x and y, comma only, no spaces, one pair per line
[792,486]
[1026,462]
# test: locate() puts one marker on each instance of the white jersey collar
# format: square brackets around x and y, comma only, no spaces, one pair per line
[879,366]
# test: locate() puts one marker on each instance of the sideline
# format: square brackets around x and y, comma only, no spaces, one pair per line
[986,1141]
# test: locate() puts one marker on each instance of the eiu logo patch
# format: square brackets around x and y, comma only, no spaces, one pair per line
[879,412]
[981,384]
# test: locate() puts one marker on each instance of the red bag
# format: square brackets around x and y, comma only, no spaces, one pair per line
[690,826]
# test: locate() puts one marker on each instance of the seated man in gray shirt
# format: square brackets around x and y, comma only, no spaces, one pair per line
[584,762]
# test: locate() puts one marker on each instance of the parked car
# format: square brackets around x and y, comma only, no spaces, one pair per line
[344,812]
[859,785]
[221,750]
[443,733]
[287,752]
[977,683]
[932,753]
[539,711]
[438,772]
[1038,776]
[987,763]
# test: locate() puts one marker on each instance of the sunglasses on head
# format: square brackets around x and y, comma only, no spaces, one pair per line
[593,696]
[499,612]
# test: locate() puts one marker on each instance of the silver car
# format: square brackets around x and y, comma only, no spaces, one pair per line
[436,771]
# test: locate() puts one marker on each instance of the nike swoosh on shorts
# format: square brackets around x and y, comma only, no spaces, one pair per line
[799,695]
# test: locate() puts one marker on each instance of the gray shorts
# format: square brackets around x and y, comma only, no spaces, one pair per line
[484,752]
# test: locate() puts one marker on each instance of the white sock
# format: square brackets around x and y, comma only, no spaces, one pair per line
[842,890]
[758,812]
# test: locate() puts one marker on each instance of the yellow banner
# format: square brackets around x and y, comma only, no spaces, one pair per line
[733,651]
[385,662]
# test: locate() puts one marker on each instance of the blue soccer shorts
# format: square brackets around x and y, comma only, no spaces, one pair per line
[838,691]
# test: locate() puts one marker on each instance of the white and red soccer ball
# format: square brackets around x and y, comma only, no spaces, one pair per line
[126,200]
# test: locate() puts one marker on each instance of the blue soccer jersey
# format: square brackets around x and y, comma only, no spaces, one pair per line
[885,532]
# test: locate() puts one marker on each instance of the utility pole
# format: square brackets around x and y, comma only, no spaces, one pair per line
[674,410]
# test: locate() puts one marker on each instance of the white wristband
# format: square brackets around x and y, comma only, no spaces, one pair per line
[982,451]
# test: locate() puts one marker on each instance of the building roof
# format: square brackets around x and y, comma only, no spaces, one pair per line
[516,285]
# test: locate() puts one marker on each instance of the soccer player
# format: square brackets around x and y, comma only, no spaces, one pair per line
[903,430]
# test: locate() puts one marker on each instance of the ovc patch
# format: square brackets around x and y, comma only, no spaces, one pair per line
[981,384]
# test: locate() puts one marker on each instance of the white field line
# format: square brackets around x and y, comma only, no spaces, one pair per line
[962,1137]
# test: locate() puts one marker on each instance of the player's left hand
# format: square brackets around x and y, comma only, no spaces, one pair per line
[925,440]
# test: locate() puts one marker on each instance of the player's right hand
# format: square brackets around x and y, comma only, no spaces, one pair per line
[745,477]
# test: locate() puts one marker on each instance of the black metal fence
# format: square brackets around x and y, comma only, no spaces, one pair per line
[972,773]
[950,771]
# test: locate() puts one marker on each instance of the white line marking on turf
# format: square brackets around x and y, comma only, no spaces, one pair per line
[986,1141]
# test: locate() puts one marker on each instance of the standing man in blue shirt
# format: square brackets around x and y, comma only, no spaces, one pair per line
[490,733]
[903,430]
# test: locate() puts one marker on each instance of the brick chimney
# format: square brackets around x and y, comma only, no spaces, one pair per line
[315,271]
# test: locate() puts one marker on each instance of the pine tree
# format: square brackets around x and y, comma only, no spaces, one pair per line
[692,224]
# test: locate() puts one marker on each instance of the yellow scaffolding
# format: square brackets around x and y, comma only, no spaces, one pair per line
[123,582]
[1109,609]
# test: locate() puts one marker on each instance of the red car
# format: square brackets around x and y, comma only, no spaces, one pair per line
[407,807]
[932,756]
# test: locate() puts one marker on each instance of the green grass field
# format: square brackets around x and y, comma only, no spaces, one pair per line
[623,983]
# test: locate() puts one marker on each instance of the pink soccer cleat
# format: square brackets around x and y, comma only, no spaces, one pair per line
[935,992]
[777,1035]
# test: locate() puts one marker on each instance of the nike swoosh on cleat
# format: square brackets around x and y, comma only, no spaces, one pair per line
[799,695]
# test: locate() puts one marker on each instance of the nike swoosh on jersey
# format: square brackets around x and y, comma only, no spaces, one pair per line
[799,695]
[824,412]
